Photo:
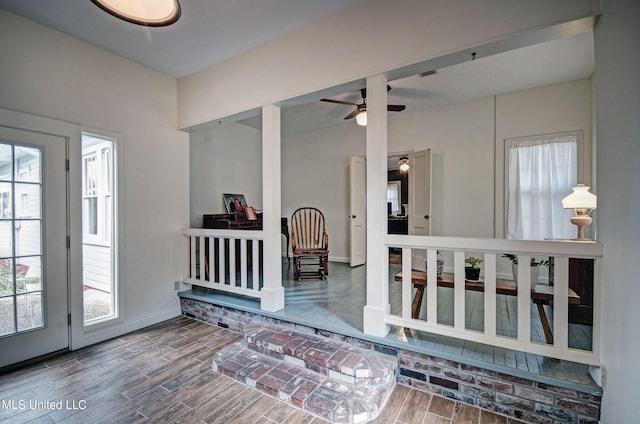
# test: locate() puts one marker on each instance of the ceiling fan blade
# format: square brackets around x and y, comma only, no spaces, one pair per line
[396,108]
[340,102]
[353,114]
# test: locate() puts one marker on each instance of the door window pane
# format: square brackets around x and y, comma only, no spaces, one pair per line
[21,280]
[28,238]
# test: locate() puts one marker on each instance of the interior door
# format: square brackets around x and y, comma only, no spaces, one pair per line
[33,253]
[358,215]
[419,202]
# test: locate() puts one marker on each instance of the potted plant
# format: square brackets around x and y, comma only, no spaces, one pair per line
[472,271]
[535,270]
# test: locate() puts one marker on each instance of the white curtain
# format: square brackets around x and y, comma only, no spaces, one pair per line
[541,171]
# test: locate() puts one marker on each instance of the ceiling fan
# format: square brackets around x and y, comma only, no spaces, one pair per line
[360,112]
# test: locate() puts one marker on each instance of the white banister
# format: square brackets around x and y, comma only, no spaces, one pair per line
[219,259]
[528,300]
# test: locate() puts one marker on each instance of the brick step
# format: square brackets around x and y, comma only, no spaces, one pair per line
[333,380]
[332,358]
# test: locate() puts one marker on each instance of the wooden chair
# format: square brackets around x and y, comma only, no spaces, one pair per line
[309,243]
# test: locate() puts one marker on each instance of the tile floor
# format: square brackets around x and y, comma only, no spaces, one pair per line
[163,374]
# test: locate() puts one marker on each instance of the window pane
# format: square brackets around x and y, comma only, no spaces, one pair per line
[6,240]
[27,162]
[6,201]
[28,274]
[6,162]
[29,311]
[7,324]
[98,250]
[6,277]
[28,200]
[28,238]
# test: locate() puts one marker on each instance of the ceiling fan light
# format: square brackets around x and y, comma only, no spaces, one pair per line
[403,164]
[155,13]
[361,119]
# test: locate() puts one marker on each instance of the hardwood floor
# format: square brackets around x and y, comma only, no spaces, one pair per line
[163,374]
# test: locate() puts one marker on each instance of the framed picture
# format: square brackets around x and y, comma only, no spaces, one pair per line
[234,202]
[251,213]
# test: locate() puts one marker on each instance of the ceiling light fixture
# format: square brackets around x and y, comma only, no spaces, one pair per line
[361,119]
[403,164]
[154,13]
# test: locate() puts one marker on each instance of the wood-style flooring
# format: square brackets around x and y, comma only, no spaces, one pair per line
[163,374]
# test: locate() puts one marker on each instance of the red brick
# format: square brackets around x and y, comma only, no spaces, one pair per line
[533,394]
[303,392]
[462,376]
[580,407]
[497,385]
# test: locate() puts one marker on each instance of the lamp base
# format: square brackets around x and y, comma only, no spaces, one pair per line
[581,221]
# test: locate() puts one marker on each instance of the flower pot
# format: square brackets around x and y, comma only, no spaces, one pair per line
[439,267]
[472,274]
[535,270]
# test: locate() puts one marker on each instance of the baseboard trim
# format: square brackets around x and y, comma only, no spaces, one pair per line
[123,327]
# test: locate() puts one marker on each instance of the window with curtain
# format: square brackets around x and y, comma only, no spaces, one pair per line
[541,170]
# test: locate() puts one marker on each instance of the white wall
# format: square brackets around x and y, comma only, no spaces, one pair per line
[460,137]
[225,159]
[617,112]
[315,172]
[48,74]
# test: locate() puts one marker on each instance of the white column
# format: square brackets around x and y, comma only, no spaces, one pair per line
[272,291]
[377,256]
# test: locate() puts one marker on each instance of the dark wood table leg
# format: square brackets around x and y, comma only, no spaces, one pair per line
[417,302]
[548,335]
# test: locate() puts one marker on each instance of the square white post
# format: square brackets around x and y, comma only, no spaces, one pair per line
[272,294]
[377,254]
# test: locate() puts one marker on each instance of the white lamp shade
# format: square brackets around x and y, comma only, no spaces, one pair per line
[361,118]
[581,198]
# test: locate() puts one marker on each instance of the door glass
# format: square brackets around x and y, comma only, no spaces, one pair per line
[21,285]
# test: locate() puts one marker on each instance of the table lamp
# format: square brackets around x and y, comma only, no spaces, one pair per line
[582,202]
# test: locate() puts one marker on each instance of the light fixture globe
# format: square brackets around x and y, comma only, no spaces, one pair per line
[403,164]
[154,13]
[361,119]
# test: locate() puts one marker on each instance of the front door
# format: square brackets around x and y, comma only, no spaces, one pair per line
[33,240]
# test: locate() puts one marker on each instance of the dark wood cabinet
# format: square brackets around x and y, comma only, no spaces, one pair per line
[581,281]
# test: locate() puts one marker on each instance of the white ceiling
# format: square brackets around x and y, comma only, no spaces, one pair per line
[208,31]
[211,31]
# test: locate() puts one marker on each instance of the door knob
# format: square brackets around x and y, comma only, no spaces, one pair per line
[353,216]
[426,217]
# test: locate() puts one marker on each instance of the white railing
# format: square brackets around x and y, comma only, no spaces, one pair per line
[491,250]
[227,260]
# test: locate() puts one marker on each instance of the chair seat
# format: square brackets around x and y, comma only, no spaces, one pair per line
[310,252]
